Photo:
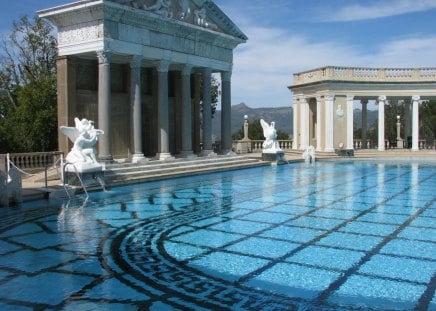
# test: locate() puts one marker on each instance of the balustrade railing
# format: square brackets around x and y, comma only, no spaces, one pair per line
[34,161]
[365,74]
[255,146]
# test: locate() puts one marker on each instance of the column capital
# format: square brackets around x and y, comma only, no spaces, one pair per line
[416,98]
[350,97]
[104,56]
[329,97]
[135,61]
[382,98]
[226,76]
[162,65]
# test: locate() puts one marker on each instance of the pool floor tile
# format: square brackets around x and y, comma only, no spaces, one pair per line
[35,289]
[399,268]
[325,257]
[292,234]
[377,293]
[350,241]
[263,247]
[207,238]
[227,266]
[411,248]
[294,280]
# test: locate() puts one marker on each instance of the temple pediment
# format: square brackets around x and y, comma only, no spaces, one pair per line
[202,13]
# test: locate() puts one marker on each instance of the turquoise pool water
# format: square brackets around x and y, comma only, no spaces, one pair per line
[335,235]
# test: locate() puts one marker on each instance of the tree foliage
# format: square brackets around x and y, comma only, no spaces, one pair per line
[255,132]
[28,87]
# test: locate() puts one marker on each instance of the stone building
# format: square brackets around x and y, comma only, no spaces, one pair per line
[324,101]
[141,69]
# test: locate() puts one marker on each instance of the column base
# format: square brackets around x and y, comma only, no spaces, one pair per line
[207,153]
[329,150]
[228,152]
[139,158]
[381,149]
[105,159]
[164,156]
[187,154]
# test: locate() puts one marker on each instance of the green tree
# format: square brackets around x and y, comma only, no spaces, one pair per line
[255,132]
[394,109]
[28,87]
[427,115]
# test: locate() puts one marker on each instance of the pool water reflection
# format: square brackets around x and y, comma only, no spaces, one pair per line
[333,235]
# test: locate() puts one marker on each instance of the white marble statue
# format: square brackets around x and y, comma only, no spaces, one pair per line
[84,136]
[161,7]
[309,154]
[270,145]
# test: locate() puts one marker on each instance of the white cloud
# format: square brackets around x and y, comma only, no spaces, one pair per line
[380,9]
[264,67]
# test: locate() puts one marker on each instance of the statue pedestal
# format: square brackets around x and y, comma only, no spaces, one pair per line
[276,156]
[90,174]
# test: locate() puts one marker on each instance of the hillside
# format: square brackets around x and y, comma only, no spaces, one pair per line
[282,116]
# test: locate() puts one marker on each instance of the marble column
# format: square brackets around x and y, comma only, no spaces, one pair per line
[381,123]
[162,68]
[364,103]
[350,123]
[407,122]
[197,113]
[226,112]
[207,112]
[329,123]
[186,113]
[296,118]
[104,105]
[136,104]
[415,122]
[305,123]
[318,124]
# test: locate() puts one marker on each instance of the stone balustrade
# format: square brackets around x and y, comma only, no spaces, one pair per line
[360,74]
[34,160]
[256,145]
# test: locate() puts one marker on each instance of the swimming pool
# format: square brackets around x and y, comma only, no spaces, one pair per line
[333,235]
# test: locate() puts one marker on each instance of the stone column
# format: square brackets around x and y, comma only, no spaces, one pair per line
[296,117]
[207,113]
[329,126]
[415,123]
[407,122]
[186,113]
[350,123]
[136,104]
[104,105]
[364,123]
[197,113]
[381,123]
[162,68]
[305,123]
[318,124]
[226,112]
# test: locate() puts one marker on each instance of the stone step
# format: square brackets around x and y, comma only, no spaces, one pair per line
[152,170]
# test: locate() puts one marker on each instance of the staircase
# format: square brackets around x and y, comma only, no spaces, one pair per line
[125,173]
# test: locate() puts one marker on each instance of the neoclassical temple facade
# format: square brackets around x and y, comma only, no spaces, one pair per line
[141,69]
[324,101]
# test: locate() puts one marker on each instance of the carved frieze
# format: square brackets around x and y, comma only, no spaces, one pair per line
[80,33]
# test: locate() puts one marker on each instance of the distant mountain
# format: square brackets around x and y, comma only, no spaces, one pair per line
[282,116]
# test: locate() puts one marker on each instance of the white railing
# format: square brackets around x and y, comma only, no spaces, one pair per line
[363,74]
[34,160]
[422,144]
[255,146]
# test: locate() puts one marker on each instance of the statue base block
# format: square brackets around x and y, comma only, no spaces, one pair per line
[90,173]
[278,157]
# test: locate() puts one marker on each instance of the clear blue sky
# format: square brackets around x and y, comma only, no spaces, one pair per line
[288,36]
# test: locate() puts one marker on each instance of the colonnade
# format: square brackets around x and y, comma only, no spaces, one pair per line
[326,122]
[162,68]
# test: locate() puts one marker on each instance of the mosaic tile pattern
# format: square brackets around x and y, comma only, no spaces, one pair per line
[336,235]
